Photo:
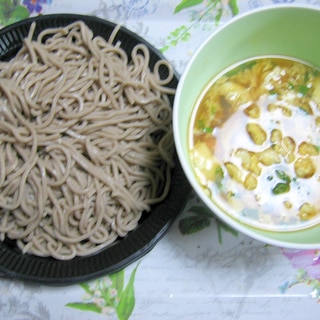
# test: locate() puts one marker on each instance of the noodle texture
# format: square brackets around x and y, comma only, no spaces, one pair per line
[85,141]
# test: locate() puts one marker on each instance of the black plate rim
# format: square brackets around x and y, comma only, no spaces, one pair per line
[15,265]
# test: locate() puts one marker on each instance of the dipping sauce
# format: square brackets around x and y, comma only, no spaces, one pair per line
[255,144]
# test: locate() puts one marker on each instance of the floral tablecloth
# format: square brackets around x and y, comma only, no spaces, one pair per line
[205,272]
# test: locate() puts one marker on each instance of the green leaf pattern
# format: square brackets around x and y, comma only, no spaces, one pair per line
[302,277]
[12,11]
[209,12]
[200,218]
[186,4]
[109,296]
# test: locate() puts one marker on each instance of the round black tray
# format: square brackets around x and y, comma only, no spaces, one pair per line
[153,225]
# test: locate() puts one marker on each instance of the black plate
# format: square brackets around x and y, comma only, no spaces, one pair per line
[14,264]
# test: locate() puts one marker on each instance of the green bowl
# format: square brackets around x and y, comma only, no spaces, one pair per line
[282,30]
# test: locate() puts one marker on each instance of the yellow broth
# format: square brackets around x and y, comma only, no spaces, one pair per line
[254,142]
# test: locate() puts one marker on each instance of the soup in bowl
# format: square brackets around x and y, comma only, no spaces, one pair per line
[247,122]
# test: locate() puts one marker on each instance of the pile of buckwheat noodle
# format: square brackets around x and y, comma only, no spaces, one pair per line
[85,141]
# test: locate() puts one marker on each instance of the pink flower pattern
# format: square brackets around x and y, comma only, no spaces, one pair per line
[307,263]
[308,260]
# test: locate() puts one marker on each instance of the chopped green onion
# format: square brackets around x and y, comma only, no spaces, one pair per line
[213,109]
[304,110]
[283,176]
[219,175]
[281,188]
[290,86]
[207,130]
[303,89]
[201,124]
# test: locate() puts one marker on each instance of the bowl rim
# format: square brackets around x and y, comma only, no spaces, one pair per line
[253,232]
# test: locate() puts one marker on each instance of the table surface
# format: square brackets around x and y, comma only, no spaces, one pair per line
[213,273]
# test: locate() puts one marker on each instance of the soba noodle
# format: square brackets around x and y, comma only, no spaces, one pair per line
[85,141]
